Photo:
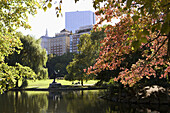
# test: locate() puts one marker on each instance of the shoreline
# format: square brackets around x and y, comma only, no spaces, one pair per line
[63,88]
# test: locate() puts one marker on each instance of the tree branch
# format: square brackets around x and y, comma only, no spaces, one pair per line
[159,47]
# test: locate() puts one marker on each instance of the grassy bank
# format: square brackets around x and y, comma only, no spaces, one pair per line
[45,83]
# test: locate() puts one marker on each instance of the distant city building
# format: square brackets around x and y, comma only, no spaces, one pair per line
[58,45]
[77,19]
[45,41]
[76,24]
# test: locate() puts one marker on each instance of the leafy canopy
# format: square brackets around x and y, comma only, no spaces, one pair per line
[143,24]
[31,55]
[88,48]
[13,15]
[55,63]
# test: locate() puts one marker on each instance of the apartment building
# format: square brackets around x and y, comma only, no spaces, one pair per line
[60,44]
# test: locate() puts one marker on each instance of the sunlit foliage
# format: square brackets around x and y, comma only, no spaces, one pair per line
[13,14]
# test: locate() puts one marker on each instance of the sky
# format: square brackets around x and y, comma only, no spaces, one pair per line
[48,20]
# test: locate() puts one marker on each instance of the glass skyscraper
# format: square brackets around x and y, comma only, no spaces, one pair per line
[77,19]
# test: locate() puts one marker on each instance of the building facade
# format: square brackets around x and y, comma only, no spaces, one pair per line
[58,45]
[77,19]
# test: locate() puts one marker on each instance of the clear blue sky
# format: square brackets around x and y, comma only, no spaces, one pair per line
[48,20]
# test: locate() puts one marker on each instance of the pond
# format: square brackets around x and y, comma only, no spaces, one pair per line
[69,102]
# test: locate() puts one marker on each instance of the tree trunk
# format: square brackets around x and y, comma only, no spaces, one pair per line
[82,82]
[16,83]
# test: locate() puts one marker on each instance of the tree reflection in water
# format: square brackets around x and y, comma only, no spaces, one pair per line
[68,102]
[23,102]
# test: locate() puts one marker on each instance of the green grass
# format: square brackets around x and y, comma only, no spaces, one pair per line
[45,83]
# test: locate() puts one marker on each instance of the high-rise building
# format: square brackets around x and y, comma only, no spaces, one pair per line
[77,19]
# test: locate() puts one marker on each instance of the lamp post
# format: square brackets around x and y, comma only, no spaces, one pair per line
[55,75]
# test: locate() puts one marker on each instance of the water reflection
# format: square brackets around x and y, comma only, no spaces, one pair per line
[68,102]
[23,102]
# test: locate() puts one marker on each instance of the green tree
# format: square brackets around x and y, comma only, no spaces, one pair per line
[32,55]
[75,69]
[80,60]
[55,63]
[88,48]
[13,15]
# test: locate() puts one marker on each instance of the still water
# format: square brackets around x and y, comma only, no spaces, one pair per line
[69,102]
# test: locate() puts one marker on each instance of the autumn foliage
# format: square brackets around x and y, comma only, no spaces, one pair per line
[144,26]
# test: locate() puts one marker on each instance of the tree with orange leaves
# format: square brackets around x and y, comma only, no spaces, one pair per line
[144,25]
